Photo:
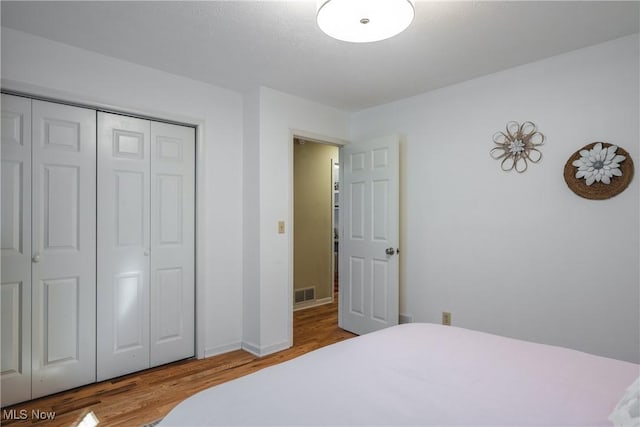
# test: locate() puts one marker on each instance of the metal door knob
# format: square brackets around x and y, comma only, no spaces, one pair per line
[390,251]
[35,258]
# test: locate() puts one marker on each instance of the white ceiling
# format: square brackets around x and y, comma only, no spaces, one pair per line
[242,44]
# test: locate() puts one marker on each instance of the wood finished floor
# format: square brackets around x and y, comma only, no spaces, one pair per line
[143,397]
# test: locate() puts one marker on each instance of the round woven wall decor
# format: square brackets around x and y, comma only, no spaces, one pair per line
[599,190]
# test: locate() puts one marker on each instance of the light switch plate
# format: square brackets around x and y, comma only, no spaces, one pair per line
[280,227]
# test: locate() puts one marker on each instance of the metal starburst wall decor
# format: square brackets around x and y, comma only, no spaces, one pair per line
[517,146]
[599,171]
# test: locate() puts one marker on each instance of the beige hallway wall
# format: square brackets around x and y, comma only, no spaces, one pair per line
[313,209]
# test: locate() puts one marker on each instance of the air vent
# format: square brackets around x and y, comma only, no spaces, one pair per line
[306,294]
[309,294]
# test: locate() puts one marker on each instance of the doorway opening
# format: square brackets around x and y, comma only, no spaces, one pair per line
[316,213]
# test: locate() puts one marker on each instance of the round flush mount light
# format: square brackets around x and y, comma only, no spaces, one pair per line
[361,21]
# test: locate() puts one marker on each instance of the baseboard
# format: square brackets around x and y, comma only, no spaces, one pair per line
[251,348]
[314,303]
[405,318]
[274,348]
[266,350]
[221,349]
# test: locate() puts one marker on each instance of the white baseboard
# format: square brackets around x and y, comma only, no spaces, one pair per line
[405,318]
[274,348]
[266,350]
[221,349]
[251,348]
[314,303]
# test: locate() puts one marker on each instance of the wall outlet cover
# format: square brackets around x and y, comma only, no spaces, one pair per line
[446,318]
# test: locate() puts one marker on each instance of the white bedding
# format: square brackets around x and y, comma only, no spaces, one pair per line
[422,375]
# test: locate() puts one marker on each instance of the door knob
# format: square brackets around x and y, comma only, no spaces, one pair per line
[390,251]
[146,252]
[35,258]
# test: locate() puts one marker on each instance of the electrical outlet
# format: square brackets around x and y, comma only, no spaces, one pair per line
[446,318]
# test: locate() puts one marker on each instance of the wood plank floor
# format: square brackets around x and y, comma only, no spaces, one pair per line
[143,397]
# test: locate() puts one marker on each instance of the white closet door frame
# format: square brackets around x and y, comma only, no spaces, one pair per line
[172,284]
[15,378]
[123,245]
[63,246]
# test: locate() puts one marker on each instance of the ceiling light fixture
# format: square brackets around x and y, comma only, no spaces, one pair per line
[361,21]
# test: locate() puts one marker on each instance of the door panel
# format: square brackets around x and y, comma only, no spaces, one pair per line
[130,195]
[170,206]
[15,378]
[356,285]
[12,206]
[123,245]
[129,304]
[380,285]
[60,191]
[60,321]
[369,278]
[64,264]
[11,328]
[357,210]
[172,243]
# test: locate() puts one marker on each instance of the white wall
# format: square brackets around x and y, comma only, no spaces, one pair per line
[521,255]
[518,255]
[43,67]
[251,222]
[280,117]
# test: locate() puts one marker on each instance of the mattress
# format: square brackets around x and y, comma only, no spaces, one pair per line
[420,375]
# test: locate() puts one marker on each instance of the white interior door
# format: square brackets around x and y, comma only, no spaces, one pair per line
[172,284]
[64,252]
[369,203]
[16,249]
[123,245]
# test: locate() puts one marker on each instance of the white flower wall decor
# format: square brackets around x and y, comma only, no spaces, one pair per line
[517,146]
[599,171]
[599,164]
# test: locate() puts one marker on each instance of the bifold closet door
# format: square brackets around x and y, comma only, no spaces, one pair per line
[48,248]
[172,243]
[123,245]
[16,249]
[146,256]
[63,247]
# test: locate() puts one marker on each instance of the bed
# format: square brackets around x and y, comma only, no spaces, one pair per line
[421,375]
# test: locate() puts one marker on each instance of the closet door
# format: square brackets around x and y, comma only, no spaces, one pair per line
[63,245]
[172,242]
[16,250]
[123,245]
